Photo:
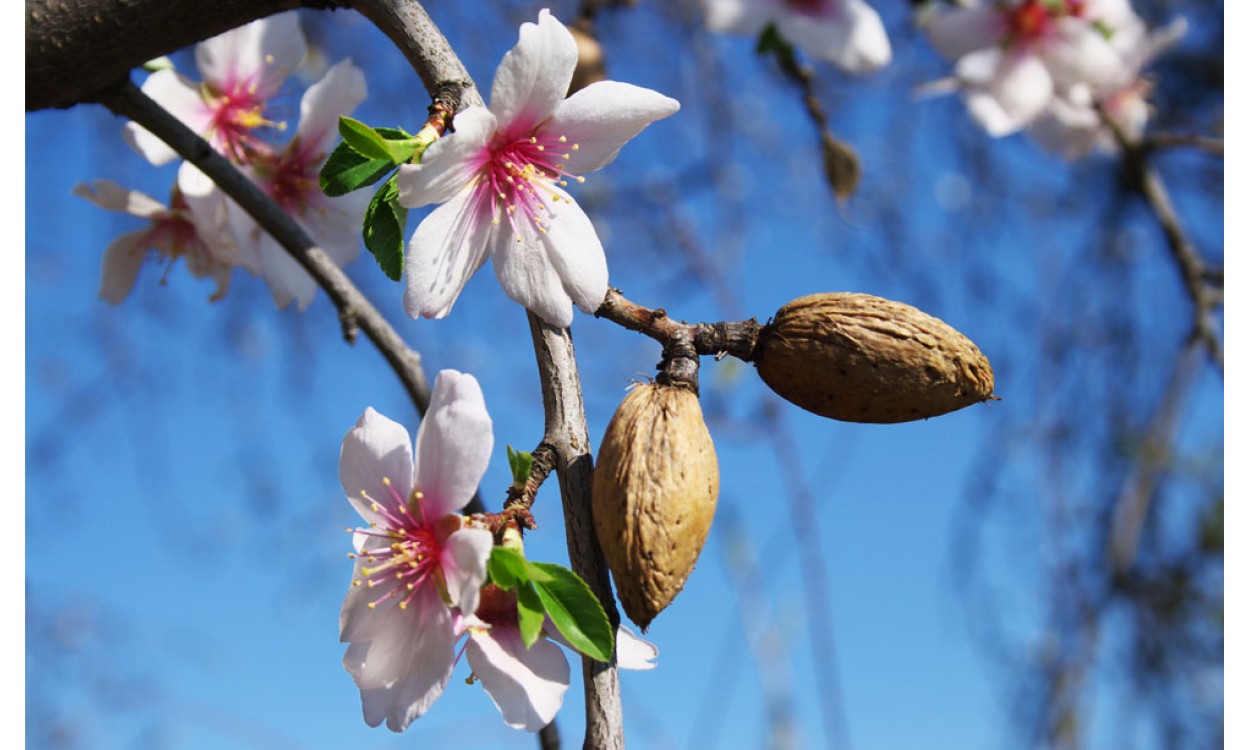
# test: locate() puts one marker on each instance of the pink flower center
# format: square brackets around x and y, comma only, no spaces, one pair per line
[411,558]
[291,178]
[520,174]
[237,113]
[1033,19]
[814,8]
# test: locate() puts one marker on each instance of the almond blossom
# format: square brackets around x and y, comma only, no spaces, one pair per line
[243,69]
[290,178]
[500,179]
[1015,56]
[419,567]
[528,685]
[847,33]
[1072,126]
[172,234]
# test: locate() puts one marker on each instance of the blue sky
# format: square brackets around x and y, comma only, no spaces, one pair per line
[185,559]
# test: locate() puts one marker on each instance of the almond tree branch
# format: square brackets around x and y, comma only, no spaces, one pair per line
[1206,293]
[355,310]
[566,431]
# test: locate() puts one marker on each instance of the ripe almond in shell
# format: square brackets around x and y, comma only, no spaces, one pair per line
[860,358]
[655,489]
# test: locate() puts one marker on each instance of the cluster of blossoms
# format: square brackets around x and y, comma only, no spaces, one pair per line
[1048,65]
[420,577]
[847,33]
[243,71]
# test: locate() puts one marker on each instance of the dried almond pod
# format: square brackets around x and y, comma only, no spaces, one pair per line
[860,358]
[655,489]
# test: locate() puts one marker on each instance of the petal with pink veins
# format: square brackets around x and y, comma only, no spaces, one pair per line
[446,250]
[183,100]
[464,566]
[534,75]
[527,685]
[258,56]
[453,444]
[450,163]
[376,448]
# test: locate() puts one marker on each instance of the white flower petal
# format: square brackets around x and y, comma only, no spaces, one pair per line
[575,253]
[210,211]
[464,566]
[959,31]
[854,38]
[358,623]
[633,652]
[1079,53]
[286,278]
[527,686]
[122,259]
[261,55]
[736,16]
[534,76]
[109,195]
[376,448]
[338,93]
[603,117]
[1005,91]
[183,100]
[449,164]
[446,250]
[453,444]
[524,269]
[406,666]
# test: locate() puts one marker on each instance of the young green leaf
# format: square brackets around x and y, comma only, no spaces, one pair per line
[363,138]
[507,568]
[521,463]
[530,613]
[347,170]
[573,609]
[384,229]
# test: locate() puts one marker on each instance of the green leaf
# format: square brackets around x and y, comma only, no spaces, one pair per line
[400,144]
[363,138]
[507,568]
[573,609]
[521,463]
[530,613]
[347,170]
[384,229]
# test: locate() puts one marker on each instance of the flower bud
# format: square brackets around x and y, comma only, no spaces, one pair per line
[860,358]
[655,489]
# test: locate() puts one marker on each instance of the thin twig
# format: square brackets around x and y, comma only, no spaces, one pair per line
[1179,140]
[1206,294]
[718,339]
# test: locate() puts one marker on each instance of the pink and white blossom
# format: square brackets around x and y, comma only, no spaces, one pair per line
[419,567]
[290,178]
[243,70]
[500,178]
[172,234]
[1015,56]
[528,685]
[847,33]
[1072,126]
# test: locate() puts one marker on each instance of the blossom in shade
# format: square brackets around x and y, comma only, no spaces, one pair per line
[847,33]
[419,566]
[528,685]
[172,234]
[290,178]
[500,178]
[1015,56]
[243,69]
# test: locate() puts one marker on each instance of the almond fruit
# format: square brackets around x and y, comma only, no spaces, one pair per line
[655,488]
[860,358]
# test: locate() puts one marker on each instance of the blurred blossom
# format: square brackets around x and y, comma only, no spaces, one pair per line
[500,179]
[243,70]
[1014,57]
[171,235]
[847,33]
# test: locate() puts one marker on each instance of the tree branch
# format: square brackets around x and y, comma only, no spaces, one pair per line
[566,431]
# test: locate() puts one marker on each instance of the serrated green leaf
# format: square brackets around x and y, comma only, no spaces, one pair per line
[363,138]
[507,568]
[530,613]
[384,229]
[573,609]
[347,170]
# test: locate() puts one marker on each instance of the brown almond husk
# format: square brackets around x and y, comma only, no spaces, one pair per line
[656,483]
[860,358]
